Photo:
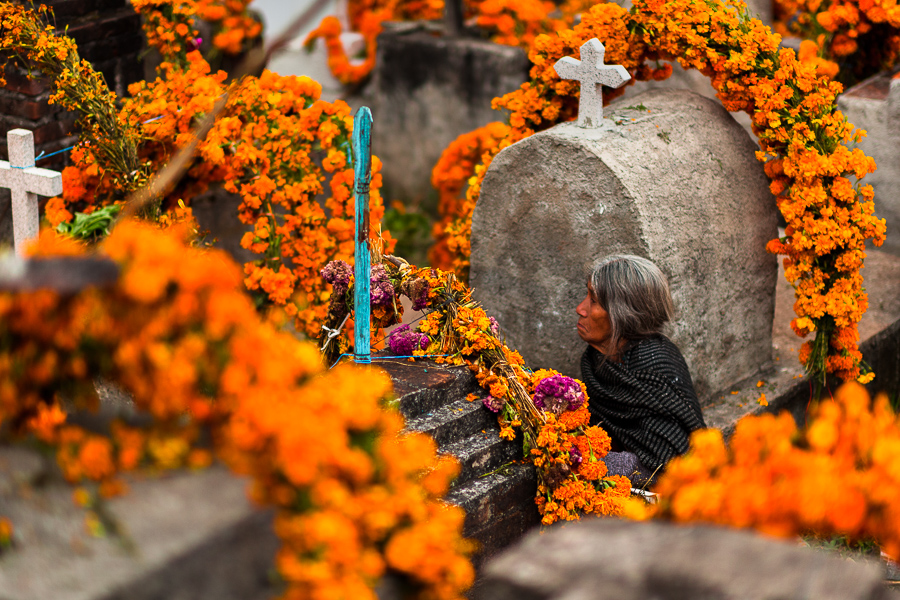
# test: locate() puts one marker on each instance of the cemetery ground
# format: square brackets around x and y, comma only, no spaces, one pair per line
[253,469]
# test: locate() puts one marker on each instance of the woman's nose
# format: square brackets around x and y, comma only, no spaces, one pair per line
[579,310]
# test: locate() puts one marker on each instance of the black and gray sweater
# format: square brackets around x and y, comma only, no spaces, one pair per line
[646,402]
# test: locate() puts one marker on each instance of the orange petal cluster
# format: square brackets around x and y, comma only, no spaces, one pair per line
[837,476]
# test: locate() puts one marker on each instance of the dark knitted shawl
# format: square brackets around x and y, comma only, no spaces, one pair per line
[646,402]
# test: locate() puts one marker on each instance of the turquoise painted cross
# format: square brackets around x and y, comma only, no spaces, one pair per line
[362,268]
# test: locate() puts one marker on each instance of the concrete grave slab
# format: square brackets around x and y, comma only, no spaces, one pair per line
[606,559]
[874,105]
[186,536]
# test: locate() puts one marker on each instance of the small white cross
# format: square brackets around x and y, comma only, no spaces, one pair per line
[592,73]
[25,182]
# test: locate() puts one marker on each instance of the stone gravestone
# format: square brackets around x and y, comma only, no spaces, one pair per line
[874,105]
[668,176]
[427,90]
[606,559]
[26,181]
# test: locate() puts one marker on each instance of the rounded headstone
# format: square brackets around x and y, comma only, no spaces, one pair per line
[669,176]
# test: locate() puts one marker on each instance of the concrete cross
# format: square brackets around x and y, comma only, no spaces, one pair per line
[26,181]
[592,73]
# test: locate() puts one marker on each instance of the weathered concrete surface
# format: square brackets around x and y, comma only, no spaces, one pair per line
[874,105]
[194,535]
[784,383]
[601,559]
[426,91]
[671,178]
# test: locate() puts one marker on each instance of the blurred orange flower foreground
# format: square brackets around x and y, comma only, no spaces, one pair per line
[838,475]
[179,333]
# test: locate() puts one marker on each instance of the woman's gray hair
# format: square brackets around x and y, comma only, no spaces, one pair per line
[636,295]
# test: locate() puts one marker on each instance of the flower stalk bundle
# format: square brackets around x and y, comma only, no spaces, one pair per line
[114,142]
[804,139]
[548,410]
[355,498]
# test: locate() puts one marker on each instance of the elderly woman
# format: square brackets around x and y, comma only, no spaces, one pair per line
[639,387]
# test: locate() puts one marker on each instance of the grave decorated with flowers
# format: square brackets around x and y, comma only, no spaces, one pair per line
[353,468]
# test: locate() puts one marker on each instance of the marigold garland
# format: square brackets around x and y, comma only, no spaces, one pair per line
[838,475]
[277,144]
[550,410]
[801,134]
[178,332]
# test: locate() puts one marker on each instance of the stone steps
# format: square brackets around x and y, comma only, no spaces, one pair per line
[494,487]
[454,421]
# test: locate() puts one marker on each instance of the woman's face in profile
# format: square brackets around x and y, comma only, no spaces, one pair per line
[593,322]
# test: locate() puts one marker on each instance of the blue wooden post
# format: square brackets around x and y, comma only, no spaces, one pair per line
[362,161]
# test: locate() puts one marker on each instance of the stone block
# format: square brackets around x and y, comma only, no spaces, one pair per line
[119,46]
[426,91]
[874,105]
[610,559]
[184,535]
[17,80]
[67,10]
[670,177]
[784,383]
[487,498]
[493,486]
[216,212]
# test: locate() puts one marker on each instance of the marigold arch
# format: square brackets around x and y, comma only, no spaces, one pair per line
[801,134]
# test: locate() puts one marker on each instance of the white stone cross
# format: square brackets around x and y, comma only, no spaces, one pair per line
[592,73]
[26,181]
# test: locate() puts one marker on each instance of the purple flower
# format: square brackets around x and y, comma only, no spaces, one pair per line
[575,456]
[558,393]
[421,299]
[495,326]
[381,288]
[337,273]
[493,404]
[417,291]
[403,342]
